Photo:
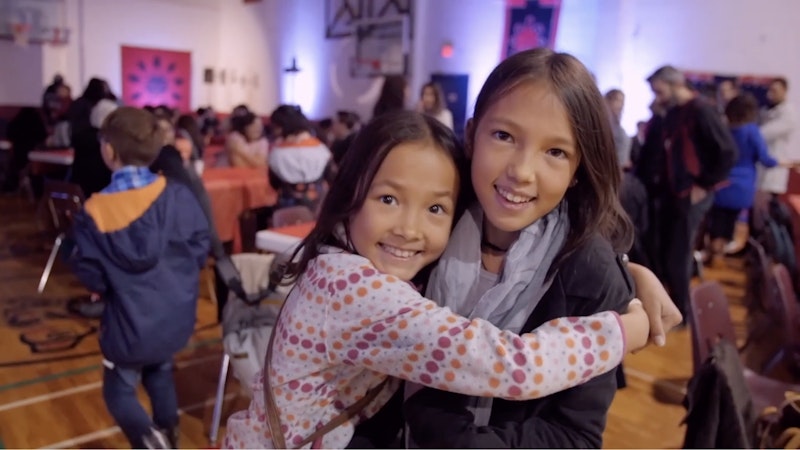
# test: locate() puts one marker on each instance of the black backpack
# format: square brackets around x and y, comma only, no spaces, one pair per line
[776,236]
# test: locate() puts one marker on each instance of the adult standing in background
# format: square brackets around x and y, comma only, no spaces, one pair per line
[88,169]
[393,95]
[345,127]
[777,127]
[615,100]
[698,155]
[432,103]
[727,90]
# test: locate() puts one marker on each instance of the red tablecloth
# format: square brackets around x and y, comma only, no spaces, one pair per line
[47,160]
[232,191]
[300,230]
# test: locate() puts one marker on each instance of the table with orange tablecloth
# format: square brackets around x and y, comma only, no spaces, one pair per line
[42,159]
[232,191]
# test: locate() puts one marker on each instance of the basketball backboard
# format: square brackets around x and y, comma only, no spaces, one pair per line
[382,47]
[34,21]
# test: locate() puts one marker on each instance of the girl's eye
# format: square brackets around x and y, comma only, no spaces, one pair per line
[557,152]
[437,209]
[388,199]
[501,135]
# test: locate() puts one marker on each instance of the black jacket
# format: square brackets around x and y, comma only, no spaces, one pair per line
[699,148]
[719,409]
[590,280]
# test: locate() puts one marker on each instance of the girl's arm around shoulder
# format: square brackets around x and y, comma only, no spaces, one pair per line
[382,323]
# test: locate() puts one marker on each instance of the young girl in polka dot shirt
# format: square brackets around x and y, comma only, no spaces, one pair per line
[354,319]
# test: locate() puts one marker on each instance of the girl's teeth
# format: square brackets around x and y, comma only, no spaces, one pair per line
[512,198]
[399,253]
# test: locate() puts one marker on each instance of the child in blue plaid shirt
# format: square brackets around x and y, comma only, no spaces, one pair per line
[140,244]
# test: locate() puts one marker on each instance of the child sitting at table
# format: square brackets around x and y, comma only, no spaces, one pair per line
[139,244]
[297,159]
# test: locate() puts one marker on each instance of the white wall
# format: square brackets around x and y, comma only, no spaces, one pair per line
[296,29]
[722,36]
[621,41]
[474,27]
[245,49]
[17,84]
[169,25]
[220,34]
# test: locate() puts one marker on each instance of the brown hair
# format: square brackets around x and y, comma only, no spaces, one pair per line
[614,93]
[392,97]
[439,104]
[742,109]
[593,202]
[782,81]
[669,75]
[359,167]
[133,134]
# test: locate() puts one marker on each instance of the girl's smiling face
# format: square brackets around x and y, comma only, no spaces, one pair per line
[524,157]
[405,221]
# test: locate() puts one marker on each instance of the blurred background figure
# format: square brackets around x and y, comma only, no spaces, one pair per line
[344,128]
[615,100]
[393,95]
[433,103]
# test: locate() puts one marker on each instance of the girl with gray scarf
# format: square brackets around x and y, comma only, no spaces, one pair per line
[546,177]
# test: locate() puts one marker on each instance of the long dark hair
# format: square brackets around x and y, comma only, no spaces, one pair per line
[188,123]
[393,95]
[290,119]
[359,166]
[593,202]
[97,89]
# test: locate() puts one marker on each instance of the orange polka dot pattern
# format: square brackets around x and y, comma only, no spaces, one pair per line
[346,326]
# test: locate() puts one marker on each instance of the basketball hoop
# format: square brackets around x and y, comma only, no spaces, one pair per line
[21,32]
[60,36]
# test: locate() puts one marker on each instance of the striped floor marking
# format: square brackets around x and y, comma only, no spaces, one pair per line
[85,369]
[90,386]
[79,441]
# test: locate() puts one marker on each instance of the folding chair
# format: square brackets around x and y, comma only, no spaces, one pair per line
[789,313]
[62,200]
[712,323]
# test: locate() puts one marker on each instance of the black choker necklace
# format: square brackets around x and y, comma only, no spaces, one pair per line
[490,246]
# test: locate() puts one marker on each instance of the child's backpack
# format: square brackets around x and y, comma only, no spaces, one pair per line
[248,321]
[778,239]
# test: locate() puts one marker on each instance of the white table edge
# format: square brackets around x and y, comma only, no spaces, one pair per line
[272,241]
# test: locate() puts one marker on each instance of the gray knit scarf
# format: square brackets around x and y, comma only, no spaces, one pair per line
[521,285]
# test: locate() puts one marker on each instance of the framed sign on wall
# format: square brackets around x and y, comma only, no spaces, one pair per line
[153,76]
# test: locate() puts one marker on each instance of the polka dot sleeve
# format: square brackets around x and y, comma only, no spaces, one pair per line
[381,323]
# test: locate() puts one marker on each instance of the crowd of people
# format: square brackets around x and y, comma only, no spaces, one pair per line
[471,292]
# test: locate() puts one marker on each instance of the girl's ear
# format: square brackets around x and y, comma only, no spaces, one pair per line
[469,134]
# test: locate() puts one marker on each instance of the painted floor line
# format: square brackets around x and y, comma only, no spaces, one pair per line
[89,386]
[79,441]
[85,369]
[50,396]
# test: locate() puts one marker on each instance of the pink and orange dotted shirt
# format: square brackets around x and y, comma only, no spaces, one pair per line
[346,327]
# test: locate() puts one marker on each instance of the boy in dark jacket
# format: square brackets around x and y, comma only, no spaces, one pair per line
[140,244]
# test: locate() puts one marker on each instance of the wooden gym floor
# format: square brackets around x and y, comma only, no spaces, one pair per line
[50,366]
